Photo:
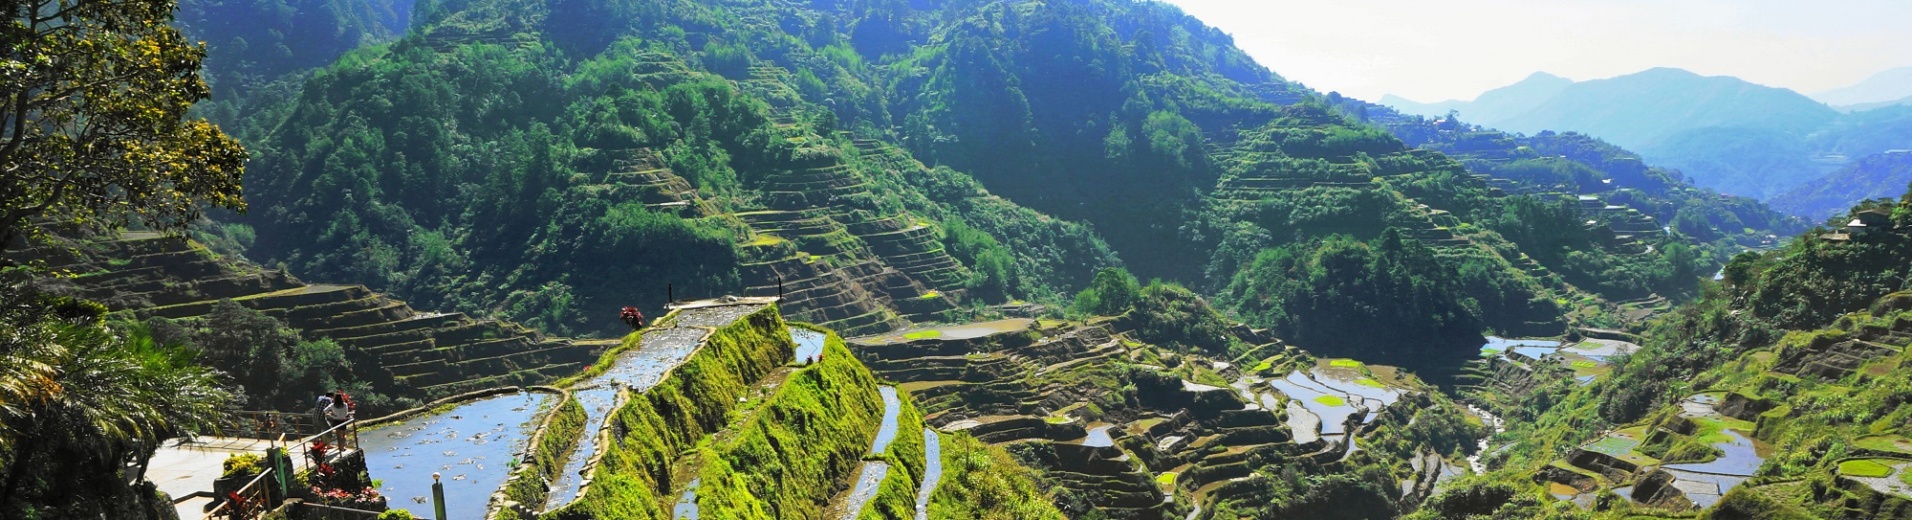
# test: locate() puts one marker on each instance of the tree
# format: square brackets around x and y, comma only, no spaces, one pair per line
[93,99]
[1112,292]
[80,399]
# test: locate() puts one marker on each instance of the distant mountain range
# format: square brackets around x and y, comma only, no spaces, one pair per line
[1876,176]
[1725,133]
[1890,87]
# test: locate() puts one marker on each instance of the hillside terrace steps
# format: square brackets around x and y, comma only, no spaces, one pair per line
[436,351]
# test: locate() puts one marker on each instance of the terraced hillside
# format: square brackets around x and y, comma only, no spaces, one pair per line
[1734,406]
[1133,430]
[1714,447]
[404,352]
[676,183]
[712,413]
[1552,165]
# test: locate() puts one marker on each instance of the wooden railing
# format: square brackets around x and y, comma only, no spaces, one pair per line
[338,440]
[249,502]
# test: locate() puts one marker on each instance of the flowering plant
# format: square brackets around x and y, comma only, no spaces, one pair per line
[367,498]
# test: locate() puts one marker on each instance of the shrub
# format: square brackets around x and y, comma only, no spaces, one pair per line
[243,464]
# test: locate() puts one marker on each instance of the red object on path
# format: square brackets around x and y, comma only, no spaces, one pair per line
[632,317]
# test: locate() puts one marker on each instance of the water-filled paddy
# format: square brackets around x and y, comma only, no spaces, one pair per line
[597,402]
[932,471]
[686,506]
[1533,348]
[885,433]
[867,482]
[1739,458]
[473,447]
[640,369]
[1317,399]
[1881,474]
[950,332]
[1098,437]
[809,343]
[1305,425]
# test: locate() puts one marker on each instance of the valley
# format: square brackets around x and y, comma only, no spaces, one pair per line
[1078,259]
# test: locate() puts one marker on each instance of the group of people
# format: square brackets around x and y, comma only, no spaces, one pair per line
[335,408]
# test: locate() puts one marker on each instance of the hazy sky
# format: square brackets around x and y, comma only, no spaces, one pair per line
[1432,50]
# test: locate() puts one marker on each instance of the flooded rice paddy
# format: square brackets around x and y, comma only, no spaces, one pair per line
[870,477]
[949,332]
[809,344]
[472,446]
[659,350]
[932,471]
[1332,408]
[686,507]
[1098,437]
[886,433]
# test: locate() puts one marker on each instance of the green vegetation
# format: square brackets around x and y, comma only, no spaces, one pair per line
[268,361]
[1865,468]
[923,334]
[136,157]
[634,477]
[1331,400]
[85,399]
[983,482]
[1869,177]
[828,410]
[1786,350]
[1112,292]
[896,496]
[242,465]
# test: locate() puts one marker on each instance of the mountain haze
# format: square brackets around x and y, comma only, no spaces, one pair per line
[1723,133]
[1888,86]
[1876,176]
[1495,105]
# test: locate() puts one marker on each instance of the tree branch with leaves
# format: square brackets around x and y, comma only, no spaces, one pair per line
[93,123]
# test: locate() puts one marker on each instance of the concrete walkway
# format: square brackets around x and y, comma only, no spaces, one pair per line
[181,467]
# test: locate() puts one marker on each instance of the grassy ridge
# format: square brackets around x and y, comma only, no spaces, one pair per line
[984,483]
[633,479]
[556,439]
[808,438]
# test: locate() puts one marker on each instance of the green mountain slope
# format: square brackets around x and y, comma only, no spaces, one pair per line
[257,51]
[1571,164]
[592,182]
[1645,109]
[1777,395]
[594,160]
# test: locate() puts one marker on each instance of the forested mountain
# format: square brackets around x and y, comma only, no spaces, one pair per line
[1723,133]
[870,170]
[1871,177]
[1579,165]
[597,154]
[252,46]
